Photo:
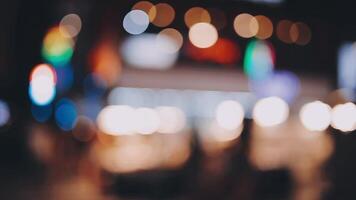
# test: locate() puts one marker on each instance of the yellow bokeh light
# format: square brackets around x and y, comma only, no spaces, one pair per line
[147,7]
[203,35]
[165,14]
[195,15]
[57,48]
[135,153]
[284,31]
[246,25]
[265,27]
[300,33]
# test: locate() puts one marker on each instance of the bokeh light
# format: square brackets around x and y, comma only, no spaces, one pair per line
[196,15]
[4,113]
[344,117]
[136,22]
[300,33]
[173,35]
[70,25]
[117,120]
[246,25]
[346,69]
[57,49]
[315,116]
[215,137]
[147,52]
[265,27]
[42,90]
[43,70]
[165,14]
[203,35]
[220,134]
[283,84]
[172,119]
[147,7]
[106,62]
[259,60]
[136,153]
[229,115]
[66,114]
[270,111]
[147,121]
[284,31]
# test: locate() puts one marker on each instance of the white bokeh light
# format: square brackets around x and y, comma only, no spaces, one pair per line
[43,70]
[203,35]
[136,22]
[42,90]
[270,111]
[147,121]
[344,117]
[147,52]
[172,119]
[117,120]
[315,116]
[229,115]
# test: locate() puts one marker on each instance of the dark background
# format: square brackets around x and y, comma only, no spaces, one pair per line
[24,23]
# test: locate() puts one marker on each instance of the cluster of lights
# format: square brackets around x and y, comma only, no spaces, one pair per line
[203,25]
[157,51]
[289,32]
[46,80]
[318,116]
[137,153]
[261,27]
[126,120]
[245,25]
[142,13]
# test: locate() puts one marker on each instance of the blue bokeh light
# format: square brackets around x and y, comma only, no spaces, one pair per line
[66,114]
